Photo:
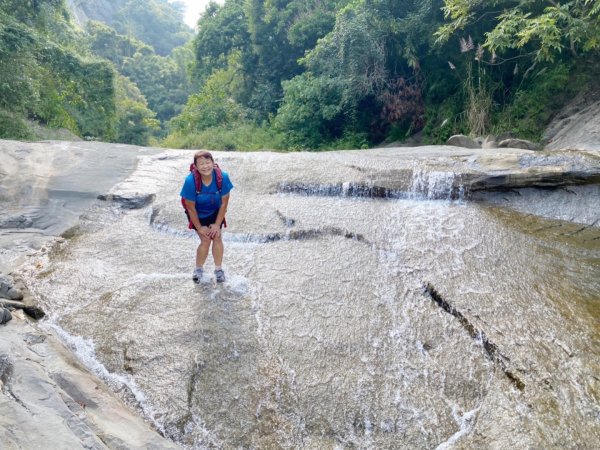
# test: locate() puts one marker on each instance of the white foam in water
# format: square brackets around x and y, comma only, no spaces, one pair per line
[203,438]
[236,283]
[245,238]
[84,350]
[346,187]
[368,426]
[227,237]
[166,228]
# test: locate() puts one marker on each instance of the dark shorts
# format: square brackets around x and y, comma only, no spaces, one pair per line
[206,221]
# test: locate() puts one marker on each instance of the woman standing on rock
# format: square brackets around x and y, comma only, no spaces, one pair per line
[205,195]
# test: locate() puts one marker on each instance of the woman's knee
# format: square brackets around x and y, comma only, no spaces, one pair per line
[204,242]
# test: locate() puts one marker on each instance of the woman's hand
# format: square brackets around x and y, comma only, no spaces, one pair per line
[203,231]
[214,231]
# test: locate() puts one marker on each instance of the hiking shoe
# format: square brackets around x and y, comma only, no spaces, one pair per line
[220,275]
[197,275]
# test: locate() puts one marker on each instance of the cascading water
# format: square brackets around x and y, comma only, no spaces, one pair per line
[433,185]
[349,318]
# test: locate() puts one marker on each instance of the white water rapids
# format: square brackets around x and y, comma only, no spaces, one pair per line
[325,335]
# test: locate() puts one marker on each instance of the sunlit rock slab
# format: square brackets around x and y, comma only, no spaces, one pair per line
[45,186]
[323,335]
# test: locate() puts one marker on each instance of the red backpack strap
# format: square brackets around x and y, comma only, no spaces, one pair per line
[197,178]
[219,175]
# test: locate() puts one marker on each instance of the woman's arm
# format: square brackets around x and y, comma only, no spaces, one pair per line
[215,229]
[190,205]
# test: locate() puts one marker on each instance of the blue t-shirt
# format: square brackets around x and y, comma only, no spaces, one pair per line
[208,200]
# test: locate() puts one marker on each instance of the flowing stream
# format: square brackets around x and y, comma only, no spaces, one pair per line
[420,320]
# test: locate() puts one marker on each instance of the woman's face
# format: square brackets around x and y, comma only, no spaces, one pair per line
[204,165]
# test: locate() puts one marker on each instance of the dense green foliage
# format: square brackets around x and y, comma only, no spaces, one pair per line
[136,122]
[44,80]
[157,23]
[294,74]
[64,77]
[325,74]
[163,81]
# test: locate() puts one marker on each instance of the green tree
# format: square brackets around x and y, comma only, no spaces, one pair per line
[136,123]
[105,42]
[312,111]
[215,104]
[18,67]
[372,60]
[83,89]
[346,73]
[162,80]
[545,28]
[515,46]
[222,30]
[281,31]
[53,84]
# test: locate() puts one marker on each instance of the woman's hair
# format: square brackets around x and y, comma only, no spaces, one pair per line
[203,154]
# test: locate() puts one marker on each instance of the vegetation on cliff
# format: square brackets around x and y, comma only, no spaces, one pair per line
[294,74]
[95,82]
[362,72]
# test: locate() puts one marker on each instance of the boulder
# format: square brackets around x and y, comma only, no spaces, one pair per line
[8,289]
[505,135]
[460,140]
[5,315]
[18,221]
[129,200]
[518,143]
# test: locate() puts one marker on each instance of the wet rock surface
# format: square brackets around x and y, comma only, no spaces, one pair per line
[133,200]
[45,186]
[49,400]
[518,143]
[323,335]
[5,315]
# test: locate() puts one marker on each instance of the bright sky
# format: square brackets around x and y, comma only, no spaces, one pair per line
[193,10]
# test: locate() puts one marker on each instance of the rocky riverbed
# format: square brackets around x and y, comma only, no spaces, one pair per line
[49,398]
[47,186]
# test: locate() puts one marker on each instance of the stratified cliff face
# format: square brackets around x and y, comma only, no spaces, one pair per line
[577,126]
[101,10]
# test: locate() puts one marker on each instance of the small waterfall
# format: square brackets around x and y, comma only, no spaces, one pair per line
[423,185]
[435,185]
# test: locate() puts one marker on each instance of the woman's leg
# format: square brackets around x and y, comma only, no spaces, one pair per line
[202,251]
[218,250]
